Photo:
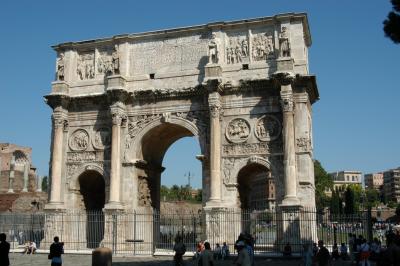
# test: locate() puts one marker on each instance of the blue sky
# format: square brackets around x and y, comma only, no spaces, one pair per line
[356,122]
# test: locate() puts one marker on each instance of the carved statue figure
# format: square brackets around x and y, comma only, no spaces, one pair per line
[144,192]
[238,130]
[85,67]
[284,45]
[115,60]
[60,67]
[213,50]
[245,48]
[229,164]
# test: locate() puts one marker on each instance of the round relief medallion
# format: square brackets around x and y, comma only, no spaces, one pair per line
[238,130]
[79,140]
[267,128]
[101,138]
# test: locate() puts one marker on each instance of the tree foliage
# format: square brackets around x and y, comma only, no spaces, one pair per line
[392,23]
[372,197]
[349,201]
[323,182]
[45,183]
[180,193]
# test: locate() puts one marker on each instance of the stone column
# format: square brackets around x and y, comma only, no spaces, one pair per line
[26,177]
[118,116]
[39,184]
[11,178]
[215,147]
[289,153]
[59,121]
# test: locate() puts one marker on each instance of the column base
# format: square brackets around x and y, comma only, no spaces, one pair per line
[213,203]
[54,206]
[113,206]
[290,201]
[10,191]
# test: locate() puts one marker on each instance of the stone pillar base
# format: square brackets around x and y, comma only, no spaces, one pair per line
[212,71]
[54,206]
[221,225]
[113,206]
[290,202]
[288,222]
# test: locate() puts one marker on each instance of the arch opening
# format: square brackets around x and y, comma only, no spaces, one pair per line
[256,187]
[154,145]
[92,189]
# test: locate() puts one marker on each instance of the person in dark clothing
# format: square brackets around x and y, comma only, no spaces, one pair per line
[322,257]
[56,249]
[4,250]
[180,250]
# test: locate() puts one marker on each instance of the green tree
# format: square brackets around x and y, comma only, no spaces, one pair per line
[336,202]
[391,26]
[372,197]
[323,182]
[199,196]
[45,183]
[349,201]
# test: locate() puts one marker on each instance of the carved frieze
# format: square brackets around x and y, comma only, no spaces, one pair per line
[144,192]
[238,130]
[228,166]
[81,156]
[71,169]
[267,128]
[108,61]
[79,140]
[101,138]
[263,46]
[303,144]
[85,66]
[240,149]
[237,50]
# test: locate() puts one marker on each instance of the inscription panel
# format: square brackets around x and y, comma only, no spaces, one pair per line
[169,55]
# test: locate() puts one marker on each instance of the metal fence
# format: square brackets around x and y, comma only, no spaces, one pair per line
[148,232]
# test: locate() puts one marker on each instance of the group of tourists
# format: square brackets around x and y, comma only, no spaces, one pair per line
[56,250]
[359,251]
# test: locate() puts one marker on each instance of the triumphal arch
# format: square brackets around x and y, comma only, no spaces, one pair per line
[242,88]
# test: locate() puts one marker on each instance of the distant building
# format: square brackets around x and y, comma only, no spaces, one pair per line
[374,181]
[18,180]
[344,178]
[391,185]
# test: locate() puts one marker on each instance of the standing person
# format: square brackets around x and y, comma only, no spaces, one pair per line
[307,254]
[243,258]
[217,252]
[364,253]
[180,250]
[4,250]
[322,257]
[206,258]
[56,249]
[225,251]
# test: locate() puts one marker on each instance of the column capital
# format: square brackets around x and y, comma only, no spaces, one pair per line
[118,114]
[284,78]
[60,119]
[214,103]
[301,97]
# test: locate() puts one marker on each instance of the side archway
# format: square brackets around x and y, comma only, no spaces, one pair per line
[256,188]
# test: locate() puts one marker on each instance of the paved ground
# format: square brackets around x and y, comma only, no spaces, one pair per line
[85,260]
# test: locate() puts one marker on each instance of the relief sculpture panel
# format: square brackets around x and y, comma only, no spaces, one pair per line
[237,49]
[238,130]
[263,46]
[267,128]
[79,140]
[102,138]
[85,66]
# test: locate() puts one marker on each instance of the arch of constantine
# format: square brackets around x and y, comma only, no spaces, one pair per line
[242,88]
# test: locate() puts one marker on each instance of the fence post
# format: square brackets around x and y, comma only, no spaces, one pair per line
[369,224]
[114,236]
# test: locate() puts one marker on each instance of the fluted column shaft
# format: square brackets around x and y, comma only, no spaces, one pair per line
[56,163]
[118,117]
[215,147]
[289,157]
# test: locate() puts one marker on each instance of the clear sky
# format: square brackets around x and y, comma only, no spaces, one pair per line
[356,122]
